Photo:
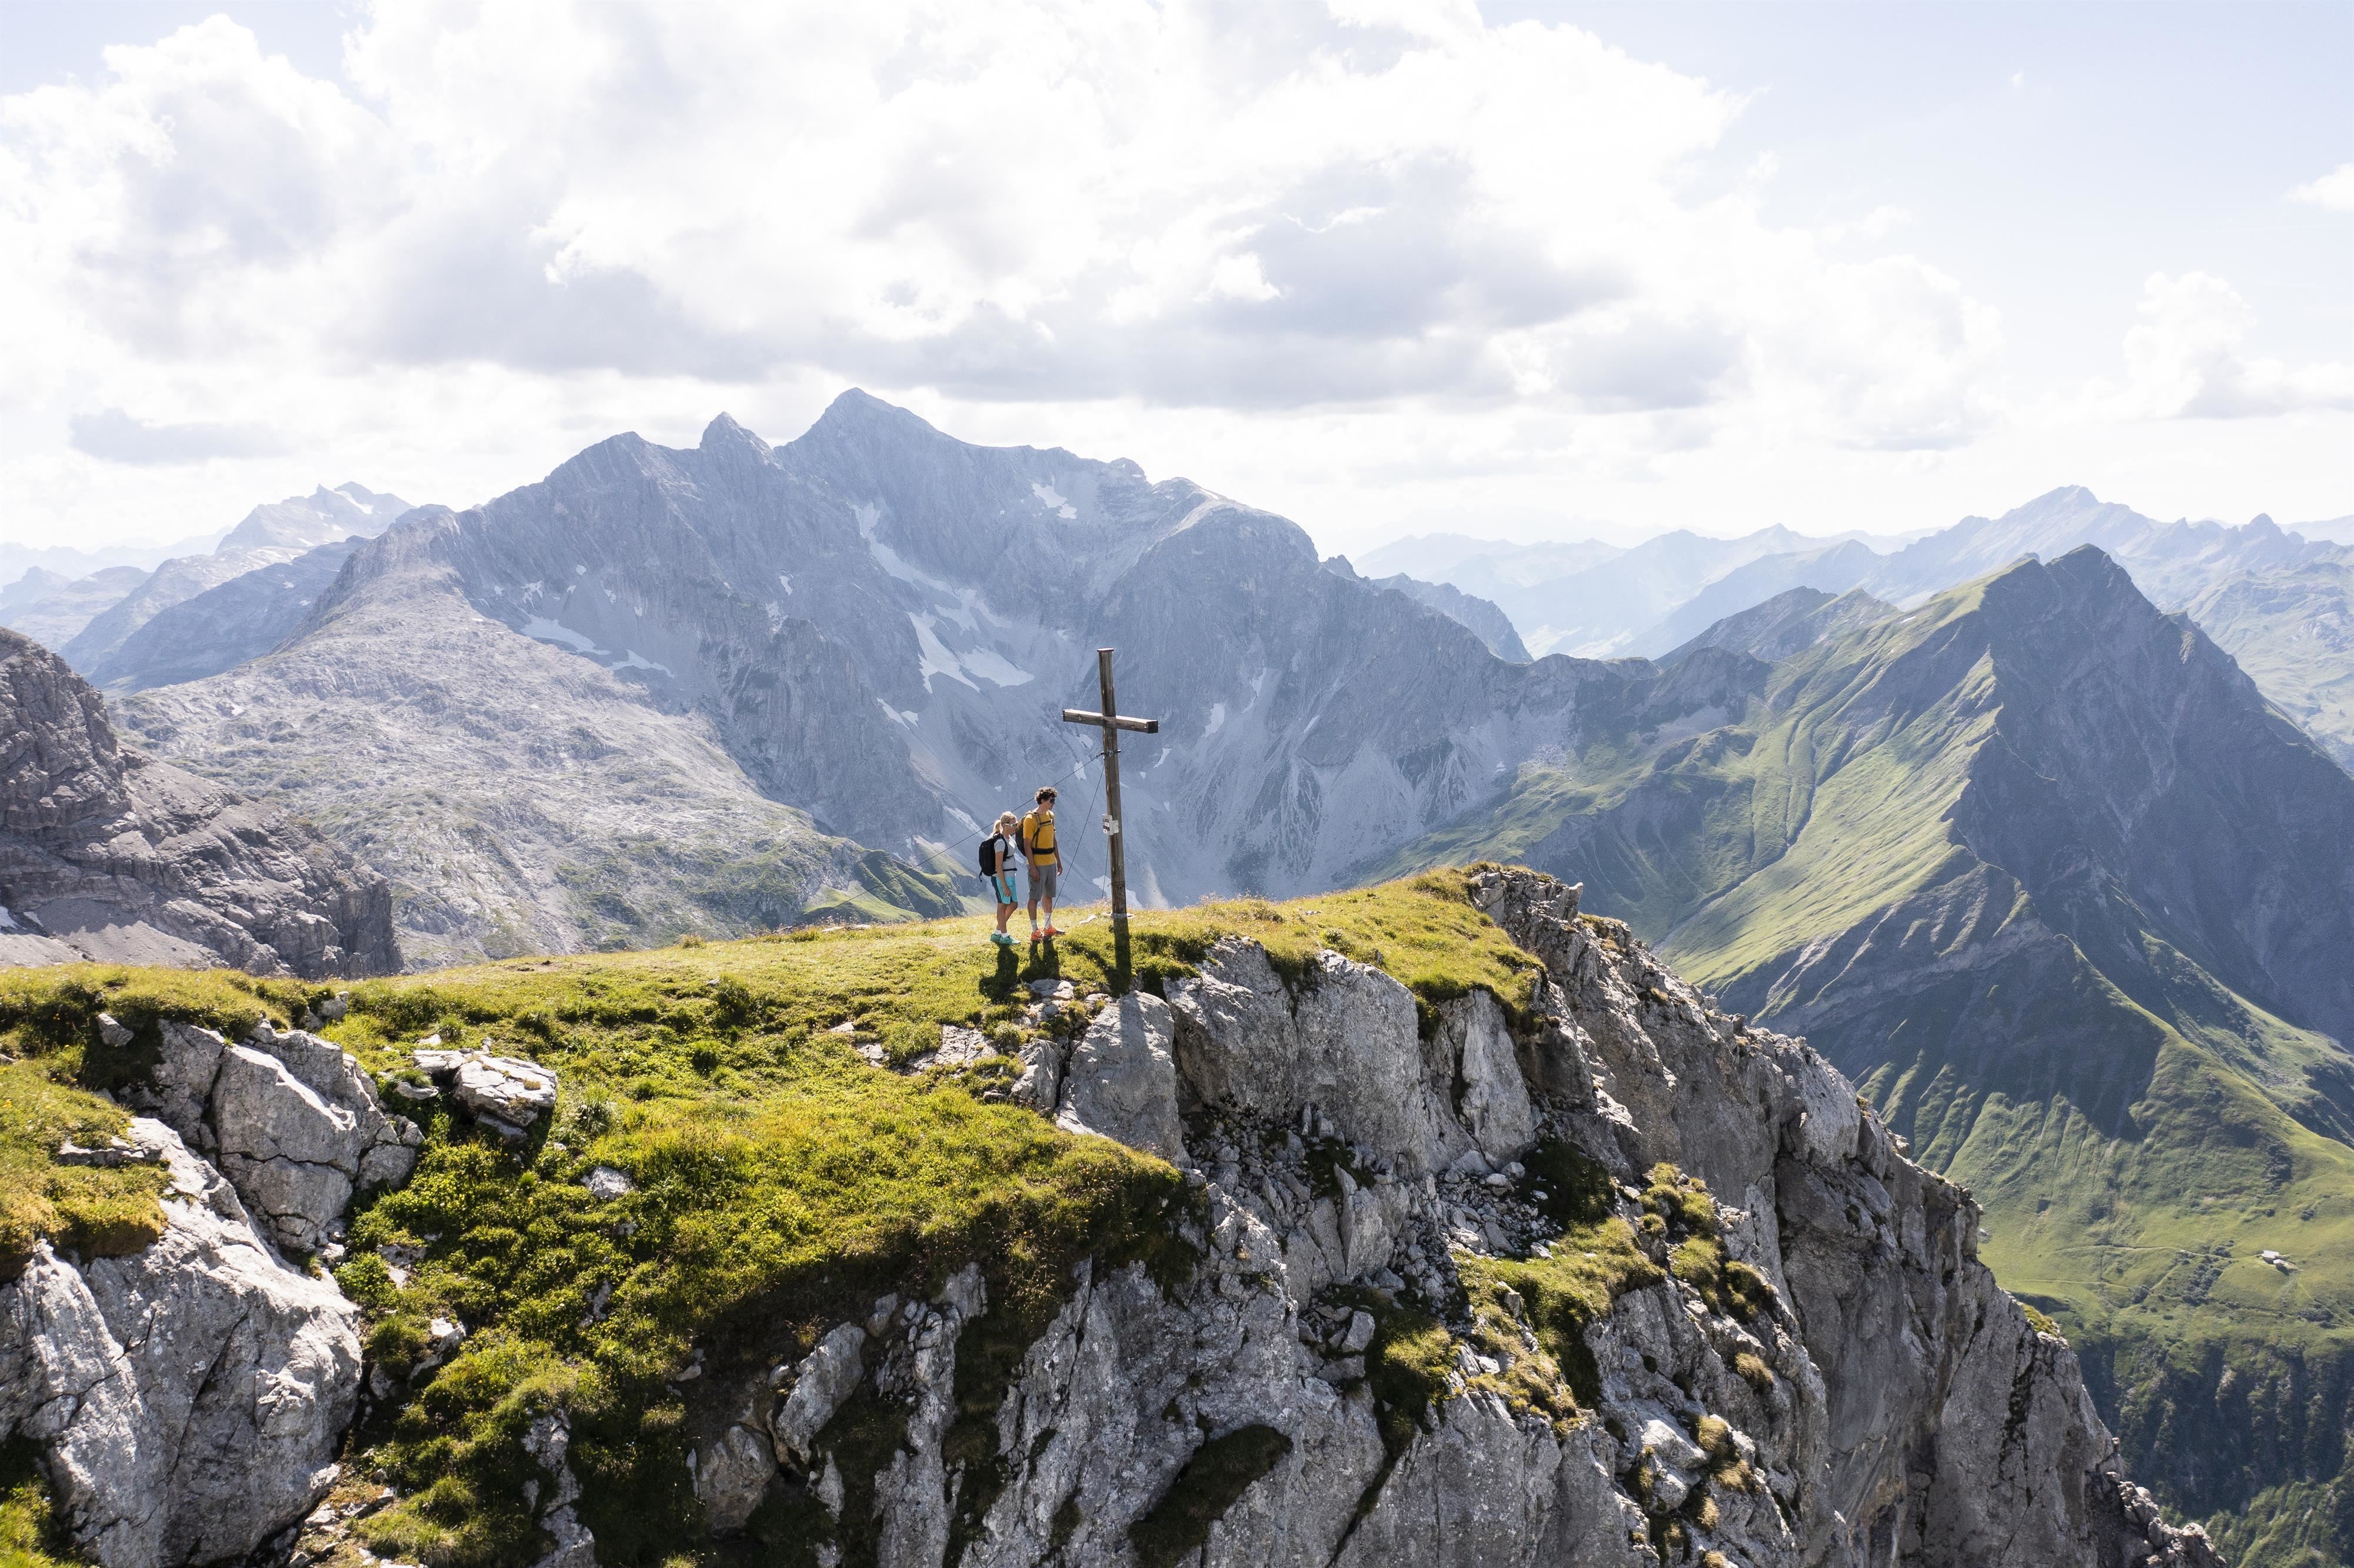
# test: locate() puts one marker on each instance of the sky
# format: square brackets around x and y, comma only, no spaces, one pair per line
[1518,271]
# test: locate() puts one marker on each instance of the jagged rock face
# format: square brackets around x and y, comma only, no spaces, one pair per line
[190,1398]
[293,1120]
[1895,1405]
[106,854]
[2124,730]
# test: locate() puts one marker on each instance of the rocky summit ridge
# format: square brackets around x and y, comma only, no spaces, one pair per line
[1539,1258]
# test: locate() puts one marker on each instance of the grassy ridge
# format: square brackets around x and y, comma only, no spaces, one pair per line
[782,1182]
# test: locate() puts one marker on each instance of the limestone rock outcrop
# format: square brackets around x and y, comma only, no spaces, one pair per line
[189,1398]
[292,1117]
[1120,1079]
[1873,1399]
[106,854]
[508,1091]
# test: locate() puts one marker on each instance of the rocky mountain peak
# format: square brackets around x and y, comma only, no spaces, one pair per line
[723,431]
[322,517]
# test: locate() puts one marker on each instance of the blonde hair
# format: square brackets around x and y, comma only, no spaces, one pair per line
[1005,820]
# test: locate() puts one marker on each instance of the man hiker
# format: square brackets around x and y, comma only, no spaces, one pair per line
[1046,858]
[997,869]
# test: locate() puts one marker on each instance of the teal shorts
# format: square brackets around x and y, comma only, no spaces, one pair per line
[1001,886]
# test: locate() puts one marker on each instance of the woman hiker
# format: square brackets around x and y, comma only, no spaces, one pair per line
[997,869]
[1046,857]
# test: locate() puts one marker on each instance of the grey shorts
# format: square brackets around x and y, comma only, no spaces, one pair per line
[1042,879]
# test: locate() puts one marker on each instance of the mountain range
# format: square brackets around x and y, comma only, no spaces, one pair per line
[1997,818]
[2274,598]
[875,623]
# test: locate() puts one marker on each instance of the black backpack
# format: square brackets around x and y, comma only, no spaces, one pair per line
[989,852]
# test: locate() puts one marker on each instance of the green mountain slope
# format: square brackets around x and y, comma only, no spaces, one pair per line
[2039,869]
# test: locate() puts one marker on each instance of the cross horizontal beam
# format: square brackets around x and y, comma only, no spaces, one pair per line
[1142,727]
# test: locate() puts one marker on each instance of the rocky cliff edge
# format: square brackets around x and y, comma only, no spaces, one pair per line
[1615,1280]
[1591,1274]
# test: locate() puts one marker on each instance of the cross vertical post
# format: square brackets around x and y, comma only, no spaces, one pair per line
[1112,820]
[1111,722]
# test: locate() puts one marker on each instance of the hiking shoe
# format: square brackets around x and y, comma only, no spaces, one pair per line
[1052,931]
[1001,939]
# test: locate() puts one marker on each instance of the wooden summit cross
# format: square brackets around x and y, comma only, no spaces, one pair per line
[1111,723]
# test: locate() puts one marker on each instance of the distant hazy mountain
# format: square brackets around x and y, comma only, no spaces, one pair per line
[1586,599]
[225,625]
[1790,622]
[1678,586]
[52,610]
[1488,567]
[2171,562]
[322,517]
[37,584]
[72,563]
[1831,571]
[270,535]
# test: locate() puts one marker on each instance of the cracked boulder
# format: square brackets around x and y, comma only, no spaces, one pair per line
[292,1119]
[1121,1079]
[189,1398]
[298,1130]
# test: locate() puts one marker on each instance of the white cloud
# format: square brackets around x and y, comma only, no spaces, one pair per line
[1229,207]
[1336,240]
[116,437]
[2187,359]
[2333,192]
